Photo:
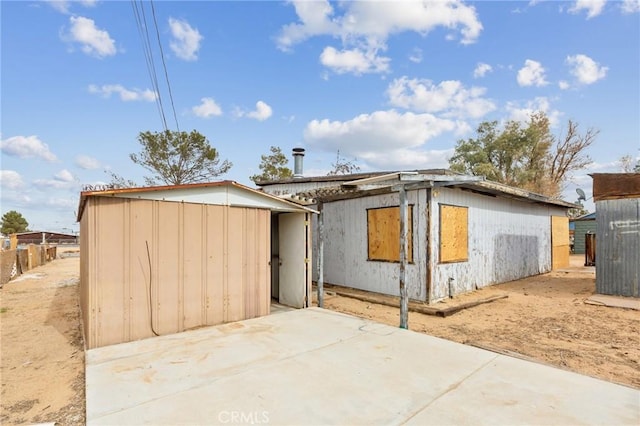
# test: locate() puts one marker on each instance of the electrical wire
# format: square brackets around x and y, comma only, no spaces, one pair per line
[164,65]
[141,23]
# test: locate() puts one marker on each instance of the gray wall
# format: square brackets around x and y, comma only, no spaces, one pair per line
[508,240]
[618,247]
[346,246]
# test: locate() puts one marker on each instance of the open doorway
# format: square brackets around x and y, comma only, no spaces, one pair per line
[290,259]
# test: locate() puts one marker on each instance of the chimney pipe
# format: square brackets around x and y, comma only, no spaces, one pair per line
[298,154]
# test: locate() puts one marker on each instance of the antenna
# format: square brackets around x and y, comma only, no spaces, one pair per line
[581,195]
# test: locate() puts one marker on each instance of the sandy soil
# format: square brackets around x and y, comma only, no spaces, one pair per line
[42,364]
[543,318]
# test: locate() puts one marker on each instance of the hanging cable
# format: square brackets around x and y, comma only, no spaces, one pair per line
[164,65]
[141,23]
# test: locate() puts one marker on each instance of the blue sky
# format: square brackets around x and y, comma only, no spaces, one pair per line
[393,85]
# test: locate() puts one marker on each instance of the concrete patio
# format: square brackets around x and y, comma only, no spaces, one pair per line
[319,367]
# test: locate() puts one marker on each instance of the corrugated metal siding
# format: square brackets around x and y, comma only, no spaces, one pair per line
[582,227]
[204,265]
[345,246]
[618,247]
[296,187]
[508,240]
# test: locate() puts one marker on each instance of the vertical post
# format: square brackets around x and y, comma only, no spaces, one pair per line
[320,283]
[404,302]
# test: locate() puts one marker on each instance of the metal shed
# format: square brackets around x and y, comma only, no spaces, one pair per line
[583,225]
[464,233]
[161,260]
[617,199]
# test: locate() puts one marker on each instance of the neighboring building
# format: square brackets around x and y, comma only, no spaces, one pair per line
[583,225]
[162,260]
[45,237]
[617,199]
[464,233]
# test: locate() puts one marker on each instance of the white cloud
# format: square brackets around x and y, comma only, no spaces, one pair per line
[87,163]
[64,175]
[416,55]
[27,147]
[532,74]
[61,204]
[354,61]
[407,159]
[630,6]
[61,180]
[186,40]
[63,6]
[481,70]
[376,135]
[93,41]
[207,108]
[262,111]
[126,95]
[364,27]
[563,85]
[450,97]
[593,7]
[522,113]
[585,69]
[10,179]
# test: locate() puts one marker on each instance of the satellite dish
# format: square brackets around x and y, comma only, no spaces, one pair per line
[581,194]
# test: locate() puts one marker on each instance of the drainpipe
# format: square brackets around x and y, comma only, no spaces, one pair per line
[320,283]
[404,300]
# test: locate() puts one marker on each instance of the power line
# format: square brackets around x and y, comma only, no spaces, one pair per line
[143,30]
[164,65]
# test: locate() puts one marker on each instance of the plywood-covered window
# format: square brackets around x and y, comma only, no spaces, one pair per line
[383,228]
[454,234]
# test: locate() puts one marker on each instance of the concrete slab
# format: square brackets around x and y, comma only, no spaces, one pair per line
[320,367]
[614,301]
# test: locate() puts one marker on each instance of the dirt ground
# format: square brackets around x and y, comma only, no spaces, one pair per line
[544,318]
[42,355]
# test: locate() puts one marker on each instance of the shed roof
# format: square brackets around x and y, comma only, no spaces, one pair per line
[588,216]
[607,186]
[358,185]
[226,192]
[352,176]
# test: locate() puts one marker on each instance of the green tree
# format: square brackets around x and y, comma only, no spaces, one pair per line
[342,166]
[273,166]
[526,155]
[577,212]
[13,222]
[177,158]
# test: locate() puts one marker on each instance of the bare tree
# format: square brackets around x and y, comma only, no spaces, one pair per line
[342,166]
[569,155]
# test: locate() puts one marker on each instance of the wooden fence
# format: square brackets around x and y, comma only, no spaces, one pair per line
[18,261]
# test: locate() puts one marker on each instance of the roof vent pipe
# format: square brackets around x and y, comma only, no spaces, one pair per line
[298,154]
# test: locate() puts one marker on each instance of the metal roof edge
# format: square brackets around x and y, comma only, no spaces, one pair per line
[84,195]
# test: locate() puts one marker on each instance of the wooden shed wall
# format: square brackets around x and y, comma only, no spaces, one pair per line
[174,265]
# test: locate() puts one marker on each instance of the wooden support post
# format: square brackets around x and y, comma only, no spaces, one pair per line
[404,300]
[320,283]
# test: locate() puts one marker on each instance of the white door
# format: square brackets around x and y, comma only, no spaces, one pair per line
[292,236]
